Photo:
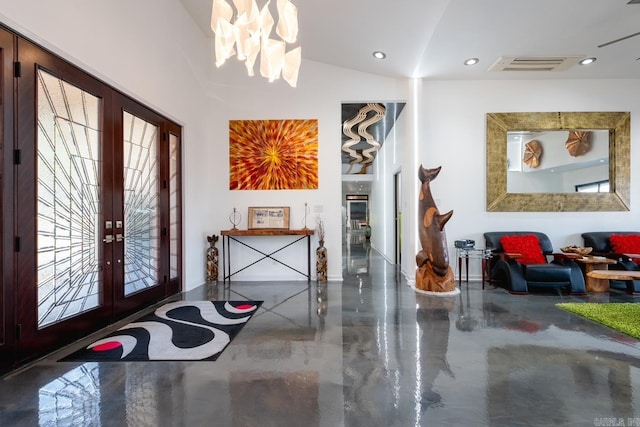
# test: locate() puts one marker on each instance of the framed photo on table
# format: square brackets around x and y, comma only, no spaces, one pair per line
[268,217]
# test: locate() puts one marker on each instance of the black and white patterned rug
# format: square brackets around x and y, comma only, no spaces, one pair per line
[177,331]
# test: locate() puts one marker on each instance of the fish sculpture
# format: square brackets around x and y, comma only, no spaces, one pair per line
[434,273]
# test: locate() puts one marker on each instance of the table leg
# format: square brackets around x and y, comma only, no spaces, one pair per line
[593,284]
[308,259]
[459,270]
[229,257]
[224,260]
[467,267]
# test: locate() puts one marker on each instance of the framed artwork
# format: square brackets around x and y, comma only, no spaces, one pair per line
[273,154]
[268,217]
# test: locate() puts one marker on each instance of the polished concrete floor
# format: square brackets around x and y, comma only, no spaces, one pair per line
[369,351]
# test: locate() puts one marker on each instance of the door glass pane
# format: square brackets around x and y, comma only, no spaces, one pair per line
[173,204]
[141,204]
[68,200]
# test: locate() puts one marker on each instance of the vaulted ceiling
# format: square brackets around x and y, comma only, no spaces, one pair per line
[432,38]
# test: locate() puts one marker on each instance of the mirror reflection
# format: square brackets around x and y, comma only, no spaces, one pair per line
[574,128]
[558,161]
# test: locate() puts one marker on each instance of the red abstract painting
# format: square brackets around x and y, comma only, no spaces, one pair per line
[273,154]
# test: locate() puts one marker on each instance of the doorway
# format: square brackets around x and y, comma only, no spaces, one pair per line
[357,213]
[96,206]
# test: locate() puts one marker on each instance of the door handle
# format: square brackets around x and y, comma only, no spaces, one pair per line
[108,238]
[119,237]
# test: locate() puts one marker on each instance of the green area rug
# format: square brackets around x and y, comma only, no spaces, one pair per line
[623,317]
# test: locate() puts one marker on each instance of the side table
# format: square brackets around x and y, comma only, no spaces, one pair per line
[473,253]
[592,263]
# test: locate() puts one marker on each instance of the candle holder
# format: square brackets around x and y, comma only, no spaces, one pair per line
[304,219]
[235,218]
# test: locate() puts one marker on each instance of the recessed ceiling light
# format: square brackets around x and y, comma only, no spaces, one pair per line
[587,61]
[379,54]
[471,61]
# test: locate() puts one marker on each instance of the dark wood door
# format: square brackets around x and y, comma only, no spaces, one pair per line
[92,210]
[7,285]
[141,243]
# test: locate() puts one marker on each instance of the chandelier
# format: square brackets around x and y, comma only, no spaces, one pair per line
[249,34]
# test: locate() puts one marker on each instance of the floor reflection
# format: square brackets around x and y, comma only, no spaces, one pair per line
[432,317]
[71,397]
[548,382]
[367,351]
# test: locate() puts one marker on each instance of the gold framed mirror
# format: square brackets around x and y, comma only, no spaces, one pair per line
[616,199]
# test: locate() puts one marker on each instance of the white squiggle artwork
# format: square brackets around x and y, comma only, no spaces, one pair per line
[360,119]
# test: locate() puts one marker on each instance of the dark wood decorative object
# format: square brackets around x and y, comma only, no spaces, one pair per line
[212,259]
[434,273]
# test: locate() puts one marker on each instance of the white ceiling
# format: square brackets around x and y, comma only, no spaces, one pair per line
[432,38]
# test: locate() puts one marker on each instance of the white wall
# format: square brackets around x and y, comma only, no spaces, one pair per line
[454,137]
[152,50]
[320,93]
[388,162]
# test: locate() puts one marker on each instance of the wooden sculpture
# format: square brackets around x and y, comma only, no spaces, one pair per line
[212,259]
[434,273]
[532,154]
[578,142]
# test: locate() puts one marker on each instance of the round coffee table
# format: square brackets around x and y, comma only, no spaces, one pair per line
[606,275]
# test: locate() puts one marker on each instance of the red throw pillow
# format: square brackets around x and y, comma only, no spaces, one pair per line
[527,245]
[626,244]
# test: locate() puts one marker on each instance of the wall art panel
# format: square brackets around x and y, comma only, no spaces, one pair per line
[273,154]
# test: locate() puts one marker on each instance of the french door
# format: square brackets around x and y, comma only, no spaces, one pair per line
[7,285]
[97,209]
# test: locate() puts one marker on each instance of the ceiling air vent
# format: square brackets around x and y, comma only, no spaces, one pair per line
[534,63]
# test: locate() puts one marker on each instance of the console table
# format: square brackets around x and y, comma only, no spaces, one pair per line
[236,235]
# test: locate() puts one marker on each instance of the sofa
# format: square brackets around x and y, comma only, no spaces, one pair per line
[522,269]
[624,244]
